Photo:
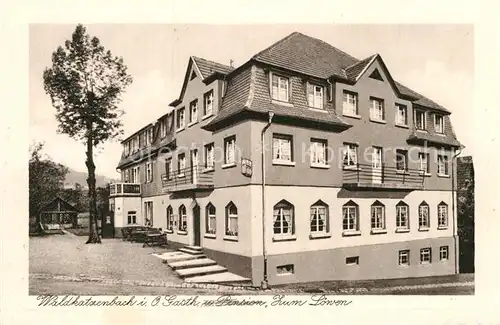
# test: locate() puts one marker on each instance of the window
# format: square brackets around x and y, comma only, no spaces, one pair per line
[135,144]
[135,177]
[231,220]
[182,218]
[404,258]
[282,147]
[420,120]
[170,218]
[209,155]
[315,96]
[163,128]
[378,216]
[423,159]
[208,102]
[423,216]
[318,152]
[149,136]
[350,155]
[442,215]
[283,219]
[280,86]
[149,172]
[193,111]
[319,217]
[402,216]
[210,221]
[442,165]
[438,123]
[350,217]
[443,253]
[376,109]
[131,217]
[401,115]
[148,213]
[229,150]
[168,169]
[425,255]
[126,148]
[285,269]
[353,260]
[181,164]
[181,119]
[350,103]
[401,160]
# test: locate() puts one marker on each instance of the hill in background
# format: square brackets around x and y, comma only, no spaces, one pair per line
[73,177]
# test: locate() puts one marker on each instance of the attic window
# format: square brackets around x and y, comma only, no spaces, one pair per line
[193,75]
[376,75]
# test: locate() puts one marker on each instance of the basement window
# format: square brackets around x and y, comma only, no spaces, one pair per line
[285,269]
[353,260]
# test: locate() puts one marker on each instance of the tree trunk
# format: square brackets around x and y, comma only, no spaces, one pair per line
[93,234]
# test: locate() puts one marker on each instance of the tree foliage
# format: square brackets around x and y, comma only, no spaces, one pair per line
[85,84]
[46,180]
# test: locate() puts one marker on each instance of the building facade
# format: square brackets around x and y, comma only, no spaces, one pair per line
[302,164]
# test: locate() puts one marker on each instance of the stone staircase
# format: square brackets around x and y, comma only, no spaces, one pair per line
[193,266]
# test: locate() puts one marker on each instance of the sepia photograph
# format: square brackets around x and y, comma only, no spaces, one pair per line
[190,159]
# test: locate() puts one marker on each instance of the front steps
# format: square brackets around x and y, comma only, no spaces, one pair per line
[193,266]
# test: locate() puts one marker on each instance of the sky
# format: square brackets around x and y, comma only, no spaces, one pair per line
[434,60]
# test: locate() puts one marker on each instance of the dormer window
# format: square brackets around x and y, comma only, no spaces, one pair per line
[163,128]
[420,120]
[149,136]
[280,88]
[315,96]
[208,102]
[438,123]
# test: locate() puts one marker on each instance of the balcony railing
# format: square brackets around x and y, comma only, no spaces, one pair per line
[191,178]
[125,189]
[368,176]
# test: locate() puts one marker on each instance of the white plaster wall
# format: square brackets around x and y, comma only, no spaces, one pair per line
[303,197]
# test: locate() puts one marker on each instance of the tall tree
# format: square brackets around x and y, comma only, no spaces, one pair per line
[85,84]
[46,180]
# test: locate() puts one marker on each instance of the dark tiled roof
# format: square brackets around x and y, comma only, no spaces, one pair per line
[307,55]
[247,92]
[313,57]
[354,70]
[208,67]
[434,138]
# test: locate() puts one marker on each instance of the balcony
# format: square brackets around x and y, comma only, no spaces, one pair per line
[125,189]
[362,176]
[188,179]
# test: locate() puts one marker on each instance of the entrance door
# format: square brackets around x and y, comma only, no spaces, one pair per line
[377,165]
[196,225]
[108,225]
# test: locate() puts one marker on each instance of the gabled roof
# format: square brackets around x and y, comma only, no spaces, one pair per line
[58,204]
[205,69]
[316,58]
[354,72]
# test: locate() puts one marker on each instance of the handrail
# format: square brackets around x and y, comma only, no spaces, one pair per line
[188,176]
[366,173]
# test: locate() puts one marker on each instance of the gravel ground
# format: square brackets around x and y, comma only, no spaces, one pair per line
[114,259]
